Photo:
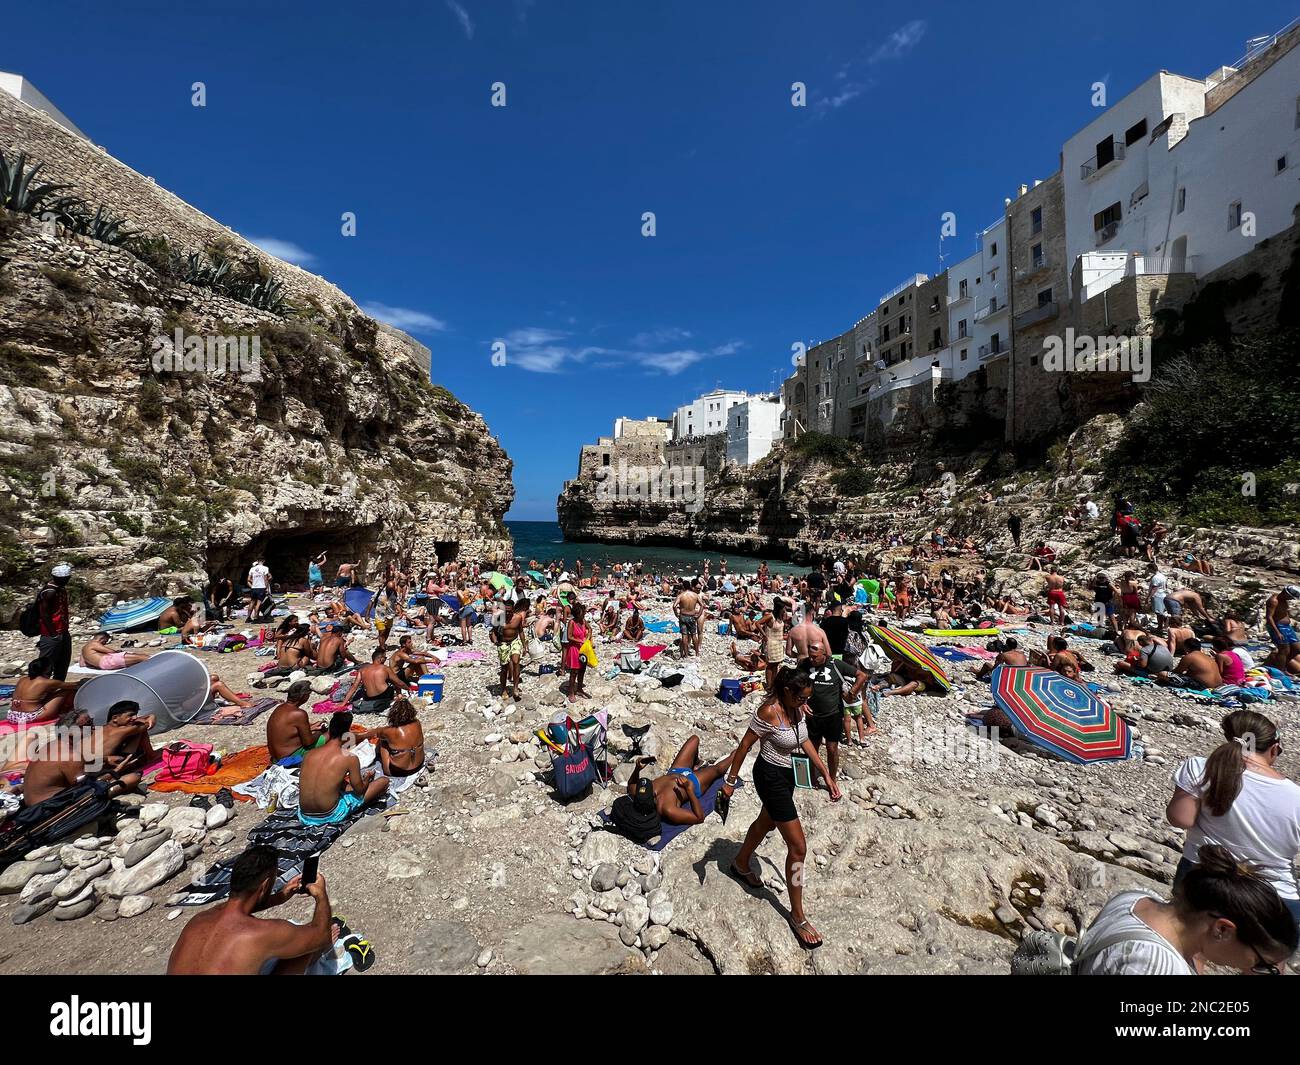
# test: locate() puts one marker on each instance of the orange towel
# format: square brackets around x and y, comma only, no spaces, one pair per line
[238,768]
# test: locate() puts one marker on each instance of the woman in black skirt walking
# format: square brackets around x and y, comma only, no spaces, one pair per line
[778,728]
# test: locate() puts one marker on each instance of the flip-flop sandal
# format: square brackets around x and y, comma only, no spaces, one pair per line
[805,923]
[363,954]
[342,923]
[201,802]
[756,883]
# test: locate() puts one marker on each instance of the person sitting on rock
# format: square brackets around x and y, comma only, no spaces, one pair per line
[290,733]
[332,653]
[38,697]
[229,940]
[400,745]
[408,663]
[1150,658]
[1010,655]
[678,792]
[99,654]
[331,785]
[379,684]
[293,651]
[62,759]
[127,749]
[754,662]
[634,627]
[180,616]
[1195,669]
[741,626]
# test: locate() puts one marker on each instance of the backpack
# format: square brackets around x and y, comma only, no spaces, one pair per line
[630,822]
[29,621]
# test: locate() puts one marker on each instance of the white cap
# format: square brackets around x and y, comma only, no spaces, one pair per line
[61,570]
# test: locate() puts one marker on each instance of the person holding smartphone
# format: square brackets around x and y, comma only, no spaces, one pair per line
[785,754]
[229,940]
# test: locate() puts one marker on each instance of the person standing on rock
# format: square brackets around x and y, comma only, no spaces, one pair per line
[1056,601]
[55,642]
[575,662]
[1282,631]
[689,609]
[1014,523]
[779,728]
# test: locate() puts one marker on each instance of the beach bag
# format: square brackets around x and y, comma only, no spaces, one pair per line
[575,769]
[630,662]
[588,654]
[232,642]
[630,822]
[183,760]
[874,660]
[731,691]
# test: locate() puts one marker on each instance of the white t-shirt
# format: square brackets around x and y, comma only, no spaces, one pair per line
[257,576]
[1261,826]
[839,568]
[1090,508]
[1147,953]
[1158,583]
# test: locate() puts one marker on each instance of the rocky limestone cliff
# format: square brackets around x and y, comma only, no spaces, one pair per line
[149,478]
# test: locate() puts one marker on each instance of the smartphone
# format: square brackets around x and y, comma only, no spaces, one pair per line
[309,867]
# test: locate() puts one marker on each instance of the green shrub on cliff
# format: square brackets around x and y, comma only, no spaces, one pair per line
[834,450]
[1214,438]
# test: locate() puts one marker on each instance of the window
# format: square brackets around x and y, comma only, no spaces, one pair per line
[1281,163]
[1111,215]
[961,328]
[1234,215]
[993,253]
[1105,152]
[1036,255]
[1182,201]
[884,335]
[605,458]
[1036,220]
[995,343]
[936,341]
[1136,132]
[961,289]
[1045,297]
[964,353]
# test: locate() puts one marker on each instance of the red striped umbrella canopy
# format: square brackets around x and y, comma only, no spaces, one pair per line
[1060,715]
[903,644]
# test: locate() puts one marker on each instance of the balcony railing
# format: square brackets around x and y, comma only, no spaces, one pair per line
[1042,313]
[987,352]
[1107,233]
[1091,169]
[1036,266]
[915,279]
[961,297]
[1143,266]
[990,310]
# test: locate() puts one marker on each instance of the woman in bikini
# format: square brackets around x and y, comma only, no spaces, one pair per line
[400,743]
[38,697]
[779,729]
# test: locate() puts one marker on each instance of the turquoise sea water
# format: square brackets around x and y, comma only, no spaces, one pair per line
[543,540]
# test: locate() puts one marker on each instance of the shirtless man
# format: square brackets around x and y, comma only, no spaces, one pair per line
[741,626]
[1056,601]
[689,609]
[289,732]
[127,749]
[1178,634]
[229,941]
[346,576]
[331,785]
[677,793]
[62,759]
[1189,599]
[634,627]
[408,663]
[181,616]
[802,636]
[1012,655]
[1282,631]
[1196,669]
[379,684]
[98,654]
[509,642]
[333,651]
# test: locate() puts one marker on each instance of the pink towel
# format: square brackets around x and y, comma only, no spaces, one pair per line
[648,651]
[328,706]
[979,652]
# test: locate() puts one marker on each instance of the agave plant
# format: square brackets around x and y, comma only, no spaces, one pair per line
[105,227]
[19,190]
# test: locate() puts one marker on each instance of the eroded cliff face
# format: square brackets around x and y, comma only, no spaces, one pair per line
[149,475]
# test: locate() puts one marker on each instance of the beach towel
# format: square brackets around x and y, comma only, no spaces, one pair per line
[951,654]
[278,781]
[463,656]
[648,651]
[662,626]
[708,801]
[246,717]
[979,652]
[238,768]
[328,706]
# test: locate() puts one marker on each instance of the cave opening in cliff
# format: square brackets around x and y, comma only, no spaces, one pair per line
[287,553]
[447,551]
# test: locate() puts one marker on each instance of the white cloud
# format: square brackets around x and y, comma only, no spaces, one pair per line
[404,318]
[284,249]
[900,42]
[541,351]
[466,23]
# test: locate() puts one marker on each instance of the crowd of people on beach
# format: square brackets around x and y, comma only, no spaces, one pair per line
[804,641]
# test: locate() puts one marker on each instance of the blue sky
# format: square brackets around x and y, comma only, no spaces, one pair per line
[775,224]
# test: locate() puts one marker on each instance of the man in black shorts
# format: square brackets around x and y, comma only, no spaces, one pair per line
[826,720]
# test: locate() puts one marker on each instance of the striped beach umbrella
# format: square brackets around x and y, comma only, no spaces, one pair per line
[900,642]
[1060,715]
[133,613]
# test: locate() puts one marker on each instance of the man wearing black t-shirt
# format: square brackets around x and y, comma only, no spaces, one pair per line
[836,627]
[826,720]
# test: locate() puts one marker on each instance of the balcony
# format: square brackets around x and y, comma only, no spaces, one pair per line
[1042,313]
[990,310]
[1035,267]
[988,353]
[911,282]
[963,297]
[1090,169]
[1107,233]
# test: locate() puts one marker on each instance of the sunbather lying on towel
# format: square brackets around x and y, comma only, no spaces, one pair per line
[290,734]
[330,784]
[229,941]
[678,792]
[99,654]
[376,684]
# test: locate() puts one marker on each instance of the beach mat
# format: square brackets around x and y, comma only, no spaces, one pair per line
[962,632]
[952,654]
[246,717]
[708,801]
[238,768]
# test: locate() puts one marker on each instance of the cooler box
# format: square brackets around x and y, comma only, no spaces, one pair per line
[724,628]
[431,685]
[730,691]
